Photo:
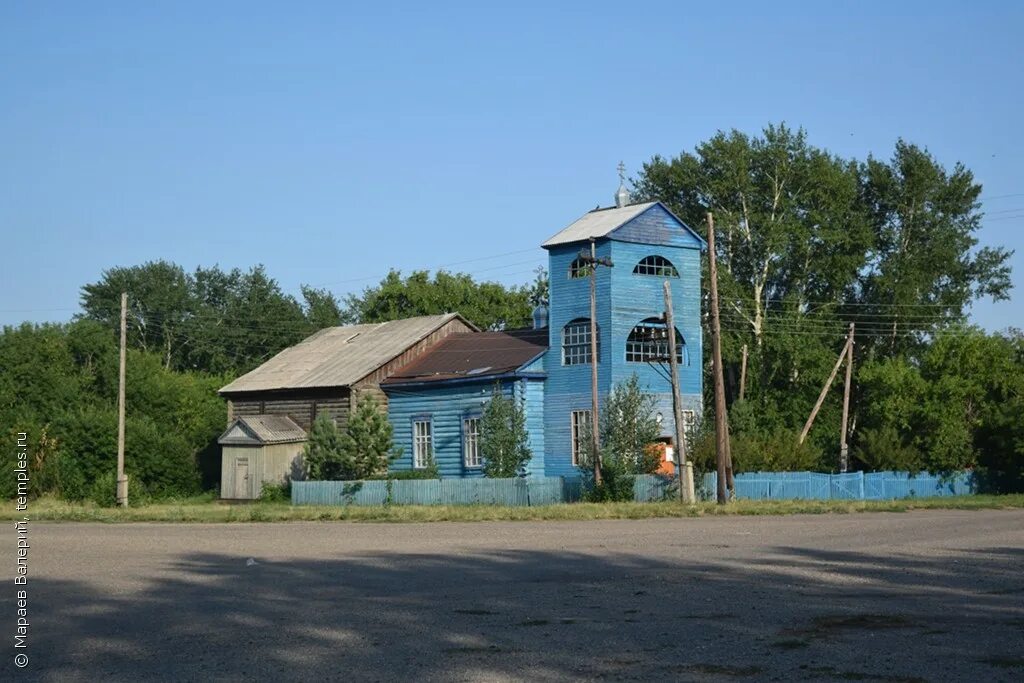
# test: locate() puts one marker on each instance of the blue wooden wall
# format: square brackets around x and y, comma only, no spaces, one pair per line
[623,300]
[446,405]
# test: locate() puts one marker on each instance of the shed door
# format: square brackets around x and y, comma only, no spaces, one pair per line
[241,477]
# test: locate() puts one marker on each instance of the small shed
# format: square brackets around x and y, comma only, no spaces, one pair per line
[259,449]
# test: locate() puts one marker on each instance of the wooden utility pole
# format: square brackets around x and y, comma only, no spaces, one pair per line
[721,419]
[683,466]
[743,373]
[844,450]
[122,480]
[595,440]
[824,391]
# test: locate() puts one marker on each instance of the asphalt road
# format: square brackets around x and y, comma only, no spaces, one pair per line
[931,596]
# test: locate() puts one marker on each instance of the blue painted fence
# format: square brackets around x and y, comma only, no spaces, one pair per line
[646,488]
[520,491]
[849,486]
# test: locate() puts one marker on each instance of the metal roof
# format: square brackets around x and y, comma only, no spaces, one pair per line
[255,430]
[598,223]
[477,354]
[339,356]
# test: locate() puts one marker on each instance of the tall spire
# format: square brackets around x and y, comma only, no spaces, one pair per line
[622,195]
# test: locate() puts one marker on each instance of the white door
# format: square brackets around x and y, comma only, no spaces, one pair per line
[241,477]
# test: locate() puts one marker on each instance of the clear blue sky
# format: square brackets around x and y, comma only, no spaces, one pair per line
[331,143]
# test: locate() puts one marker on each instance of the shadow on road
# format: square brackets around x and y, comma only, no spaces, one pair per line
[791,614]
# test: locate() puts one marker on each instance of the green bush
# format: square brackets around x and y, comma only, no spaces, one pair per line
[160,460]
[103,491]
[276,493]
[410,474]
[882,448]
[360,451]
[617,478]
[629,426]
[776,451]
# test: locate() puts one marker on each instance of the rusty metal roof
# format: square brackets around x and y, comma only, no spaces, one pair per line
[477,354]
[256,430]
[339,356]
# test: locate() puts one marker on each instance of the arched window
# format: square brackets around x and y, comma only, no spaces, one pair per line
[579,268]
[655,265]
[576,342]
[648,342]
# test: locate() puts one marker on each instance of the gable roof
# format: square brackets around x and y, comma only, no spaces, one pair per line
[256,430]
[602,222]
[339,356]
[478,354]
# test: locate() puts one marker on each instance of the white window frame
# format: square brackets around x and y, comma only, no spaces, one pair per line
[576,342]
[689,422]
[579,269]
[578,421]
[656,265]
[422,441]
[471,442]
[648,343]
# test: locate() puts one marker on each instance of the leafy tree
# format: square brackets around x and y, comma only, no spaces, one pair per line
[949,409]
[366,445]
[486,304]
[789,221]
[628,427]
[884,448]
[212,320]
[504,441]
[540,294]
[321,308]
[923,221]
[775,450]
[807,242]
[242,319]
[160,301]
[38,373]
[616,479]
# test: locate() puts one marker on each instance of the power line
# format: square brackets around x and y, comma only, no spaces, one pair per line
[1002,196]
[441,267]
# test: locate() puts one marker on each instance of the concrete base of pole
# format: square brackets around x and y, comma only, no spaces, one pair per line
[689,495]
[122,490]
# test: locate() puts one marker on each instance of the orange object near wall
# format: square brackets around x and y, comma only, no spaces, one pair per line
[666,455]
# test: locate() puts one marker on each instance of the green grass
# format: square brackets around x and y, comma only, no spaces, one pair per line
[206,509]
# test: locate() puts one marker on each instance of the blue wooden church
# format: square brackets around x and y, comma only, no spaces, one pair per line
[435,402]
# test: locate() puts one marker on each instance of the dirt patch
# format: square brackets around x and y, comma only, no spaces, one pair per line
[1004,662]
[838,675]
[474,612]
[829,625]
[718,670]
[791,643]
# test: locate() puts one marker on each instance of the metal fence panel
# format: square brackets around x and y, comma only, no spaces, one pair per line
[849,486]
[545,490]
[650,488]
[552,490]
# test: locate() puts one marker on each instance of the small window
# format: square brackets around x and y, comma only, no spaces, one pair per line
[581,422]
[648,342]
[579,268]
[422,443]
[576,342]
[471,442]
[689,425]
[658,266]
